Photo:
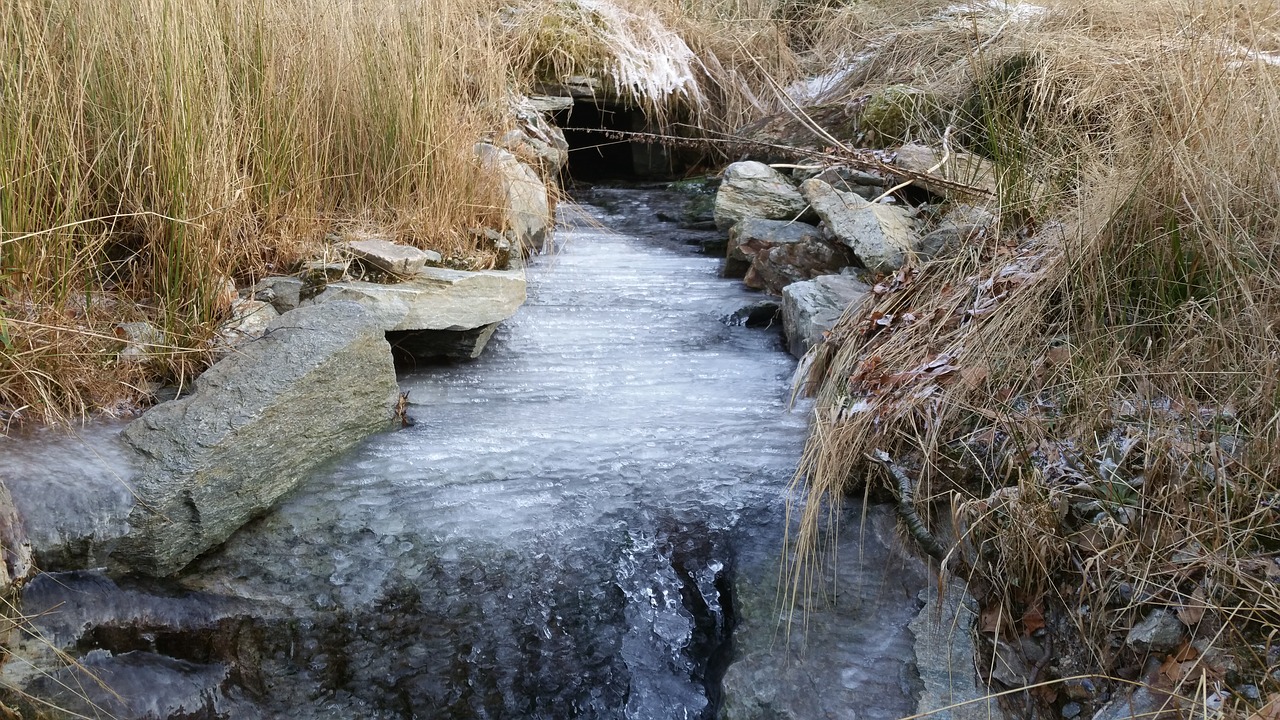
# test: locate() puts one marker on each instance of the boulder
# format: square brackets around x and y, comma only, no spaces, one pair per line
[16,561]
[880,236]
[258,423]
[434,299]
[812,307]
[780,253]
[783,137]
[755,190]
[392,257]
[761,314]
[961,167]
[527,205]
[752,235]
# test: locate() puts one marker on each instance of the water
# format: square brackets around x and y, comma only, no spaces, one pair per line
[554,536]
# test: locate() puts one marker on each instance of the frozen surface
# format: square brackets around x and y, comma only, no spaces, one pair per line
[551,538]
[73,489]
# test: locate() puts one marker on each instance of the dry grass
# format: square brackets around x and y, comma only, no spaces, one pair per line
[151,149]
[1094,389]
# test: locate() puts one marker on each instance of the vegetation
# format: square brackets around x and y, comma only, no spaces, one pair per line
[1088,392]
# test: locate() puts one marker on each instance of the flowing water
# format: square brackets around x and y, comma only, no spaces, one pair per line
[554,537]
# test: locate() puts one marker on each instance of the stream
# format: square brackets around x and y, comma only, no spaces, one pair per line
[561,533]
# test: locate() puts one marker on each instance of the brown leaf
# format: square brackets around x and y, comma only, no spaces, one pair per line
[989,620]
[1032,620]
[1193,610]
[1058,355]
[1270,711]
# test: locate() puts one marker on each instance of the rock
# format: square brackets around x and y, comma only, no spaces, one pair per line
[549,103]
[394,258]
[259,422]
[1143,702]
[328,271]
[434,299]
[762,314]
[535,137]
[849,650]
[528,208]
[894,113]
[752,235]
[141,340]
[881,236]
[1071,710]
[249,320]
[964,168]
[282,292]
[16,561]
[784,137]
[961,224]
[755,190]
[1160,631]
[945,657]
[812,307]
[775,268]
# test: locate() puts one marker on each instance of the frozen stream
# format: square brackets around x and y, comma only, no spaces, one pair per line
[555,537]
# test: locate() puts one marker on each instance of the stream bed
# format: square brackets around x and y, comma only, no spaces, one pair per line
[557,535]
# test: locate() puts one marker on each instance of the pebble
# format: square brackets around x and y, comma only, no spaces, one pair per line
[1071,710]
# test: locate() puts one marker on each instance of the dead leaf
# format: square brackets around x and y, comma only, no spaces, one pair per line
[989,620]
[1193,610]
[1269,711]
[1032,620]
[1058,355]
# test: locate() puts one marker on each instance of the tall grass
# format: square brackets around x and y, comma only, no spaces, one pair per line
[150,150]
[1116,344]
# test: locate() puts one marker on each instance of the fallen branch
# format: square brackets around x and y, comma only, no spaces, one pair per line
[906,508]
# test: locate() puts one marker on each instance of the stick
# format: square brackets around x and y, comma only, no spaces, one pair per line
[906,510]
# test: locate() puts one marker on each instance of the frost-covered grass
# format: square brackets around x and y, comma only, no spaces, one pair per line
[1089,391]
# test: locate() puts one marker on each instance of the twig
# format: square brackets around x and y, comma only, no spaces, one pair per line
[906,510]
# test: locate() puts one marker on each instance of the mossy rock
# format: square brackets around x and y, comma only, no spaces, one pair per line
[898,113]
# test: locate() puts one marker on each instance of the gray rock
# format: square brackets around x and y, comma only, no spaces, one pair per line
[141,340]
[535,137]
[812,307]
[15,549]
[755,190]
[550,103]
[281,291]
[257,425]
[881,236]
[249,320]
[848,652]
[961,167]
[392,257]
[752,235]
[779,266]
[528,208]
[1071,710]
[945,657]
[434,299]
[1160,631]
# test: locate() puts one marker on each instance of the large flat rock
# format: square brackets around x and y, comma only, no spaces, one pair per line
[434,299]
[257,425]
